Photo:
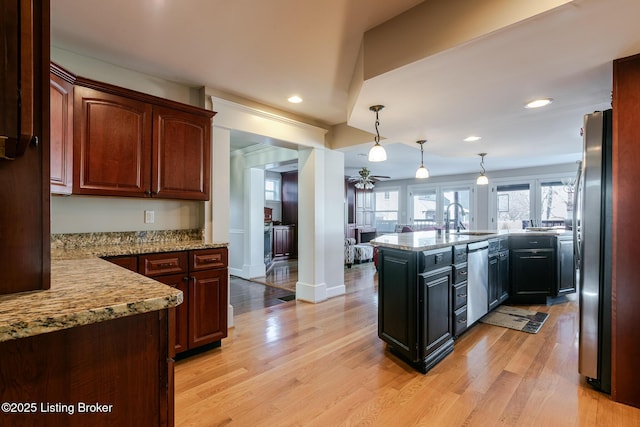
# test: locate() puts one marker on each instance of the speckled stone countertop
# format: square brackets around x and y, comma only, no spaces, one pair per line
[107,250]
[82,292]
[86,289]
[426,240]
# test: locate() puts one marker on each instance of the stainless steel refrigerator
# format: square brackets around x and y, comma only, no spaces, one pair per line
[592,228]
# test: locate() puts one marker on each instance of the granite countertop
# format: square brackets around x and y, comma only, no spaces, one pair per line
[107,250]
[82,292]
[432,239]
[86,289]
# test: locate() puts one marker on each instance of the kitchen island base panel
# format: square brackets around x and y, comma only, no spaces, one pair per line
[430,361]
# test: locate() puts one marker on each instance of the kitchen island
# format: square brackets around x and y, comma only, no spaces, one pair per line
[97,347]
[424,294]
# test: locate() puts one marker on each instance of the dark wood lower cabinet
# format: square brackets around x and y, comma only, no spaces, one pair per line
[202,276]
[113,373]
[180,317]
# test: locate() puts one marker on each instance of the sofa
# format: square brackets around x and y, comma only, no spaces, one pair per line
[349,251]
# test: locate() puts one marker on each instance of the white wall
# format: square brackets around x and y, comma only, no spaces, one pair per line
[80,214]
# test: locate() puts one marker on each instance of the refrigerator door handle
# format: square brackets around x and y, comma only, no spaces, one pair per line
[576,208]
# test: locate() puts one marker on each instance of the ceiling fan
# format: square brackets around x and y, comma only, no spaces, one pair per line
[366,181]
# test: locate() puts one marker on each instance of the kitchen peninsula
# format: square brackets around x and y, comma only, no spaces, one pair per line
[97,347]
[431,281]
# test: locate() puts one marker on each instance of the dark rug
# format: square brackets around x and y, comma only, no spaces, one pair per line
[516,318]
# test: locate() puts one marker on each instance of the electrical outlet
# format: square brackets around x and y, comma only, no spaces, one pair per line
[149,217]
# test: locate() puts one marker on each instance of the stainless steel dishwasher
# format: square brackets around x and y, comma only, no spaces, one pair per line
[477,282]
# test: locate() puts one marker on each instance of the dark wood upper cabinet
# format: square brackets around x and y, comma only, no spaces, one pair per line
[181,151]
[112,144]
[130,144]
[61,101]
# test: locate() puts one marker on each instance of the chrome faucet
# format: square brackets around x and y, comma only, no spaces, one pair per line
[446,224]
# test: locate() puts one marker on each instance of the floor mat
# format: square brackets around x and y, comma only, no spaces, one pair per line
[516,318]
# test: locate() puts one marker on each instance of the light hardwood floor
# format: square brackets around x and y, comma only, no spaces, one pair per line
[301,364]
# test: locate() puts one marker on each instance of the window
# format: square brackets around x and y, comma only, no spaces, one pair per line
[272,189]
[386,204]
[424,208]
[556,204]
[514,206]
[428,206]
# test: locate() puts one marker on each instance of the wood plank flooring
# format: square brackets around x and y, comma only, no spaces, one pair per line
[301,364]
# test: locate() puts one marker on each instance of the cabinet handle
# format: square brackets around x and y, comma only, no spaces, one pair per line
[461,295]
[185,279]
[462,321]
[534,257]
[533,242]
[463,273]
[147,193]
[165,265]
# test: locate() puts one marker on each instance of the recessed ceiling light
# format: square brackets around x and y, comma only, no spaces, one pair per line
[537,103]
[295,99]
[472,138]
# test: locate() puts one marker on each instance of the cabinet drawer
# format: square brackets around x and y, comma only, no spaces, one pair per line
[128,262]
[434,259]
[208,258]
[460,273]
[460,321]
[459,295]
[532,242]
[459,254]
[161,264]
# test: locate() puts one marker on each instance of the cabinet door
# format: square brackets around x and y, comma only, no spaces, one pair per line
[503,276]
[566,267]
[398,301]
[493,285]
[533,272]
[181,317]
[112,144]
[25,240]
[61,97]
[207,307]
[281,241]
[10,51]
[436,307]
[181,154]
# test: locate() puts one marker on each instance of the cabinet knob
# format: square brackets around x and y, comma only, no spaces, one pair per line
[147,193]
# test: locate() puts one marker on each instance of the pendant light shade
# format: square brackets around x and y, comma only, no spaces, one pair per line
[482,179]
[422,172]
[377,152]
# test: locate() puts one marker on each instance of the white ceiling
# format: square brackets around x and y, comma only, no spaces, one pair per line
[266,51]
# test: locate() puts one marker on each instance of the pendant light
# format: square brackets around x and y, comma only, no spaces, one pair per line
[422,172]
[377,152]
[482,179]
